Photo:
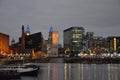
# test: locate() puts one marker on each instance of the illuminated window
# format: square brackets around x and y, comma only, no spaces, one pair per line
[76,30]
[76,35]
[73,36]
[73,30]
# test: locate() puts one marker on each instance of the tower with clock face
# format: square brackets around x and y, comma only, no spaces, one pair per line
[53,41]
[53,44]
[27,31]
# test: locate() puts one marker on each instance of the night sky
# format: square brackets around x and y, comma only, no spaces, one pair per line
[99,16]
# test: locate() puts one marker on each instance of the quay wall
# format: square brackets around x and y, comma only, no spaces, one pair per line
[66,60]
[93,60]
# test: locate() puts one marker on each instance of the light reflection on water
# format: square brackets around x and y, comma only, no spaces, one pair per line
[76,71]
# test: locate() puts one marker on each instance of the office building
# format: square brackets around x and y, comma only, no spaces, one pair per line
[73,39]
[99,45]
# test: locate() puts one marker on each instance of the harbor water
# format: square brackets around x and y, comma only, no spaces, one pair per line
[76,71]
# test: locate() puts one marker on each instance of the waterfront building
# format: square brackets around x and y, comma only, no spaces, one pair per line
[53,42]
[89,39]
[49,41]
[55,37]
[73,39]
[27,42]
[113,44]
[33,41]
[99,45]
[4,43]
[61,51]
[95,44]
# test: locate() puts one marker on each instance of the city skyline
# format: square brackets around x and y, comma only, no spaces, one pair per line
[101,17]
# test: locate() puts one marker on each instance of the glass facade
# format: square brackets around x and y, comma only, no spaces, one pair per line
[73,38]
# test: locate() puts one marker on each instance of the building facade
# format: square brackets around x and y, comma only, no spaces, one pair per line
[54,46]
[33,41]
[89,39]
[4,43]
[99,45]
[73,39]
[28,42]
[113,44]
[53,41]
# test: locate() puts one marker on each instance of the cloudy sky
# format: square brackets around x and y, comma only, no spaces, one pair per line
[100,16]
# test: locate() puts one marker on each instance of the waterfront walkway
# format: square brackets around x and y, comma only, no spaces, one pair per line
[66,60]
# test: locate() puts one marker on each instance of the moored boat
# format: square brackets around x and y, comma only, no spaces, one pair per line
[25,70]
[29,71]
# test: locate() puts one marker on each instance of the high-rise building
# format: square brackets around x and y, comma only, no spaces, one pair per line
[4,43]
[73,39]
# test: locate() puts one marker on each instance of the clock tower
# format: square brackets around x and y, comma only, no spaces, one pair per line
[53,41]
[27,32]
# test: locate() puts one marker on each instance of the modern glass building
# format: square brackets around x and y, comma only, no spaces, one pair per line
[73,38]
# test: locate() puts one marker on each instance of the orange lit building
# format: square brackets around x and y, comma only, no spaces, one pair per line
[55,37]
[53,41]
[4,43]
[54,46]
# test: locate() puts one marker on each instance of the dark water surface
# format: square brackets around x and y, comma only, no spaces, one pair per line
[76,71]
